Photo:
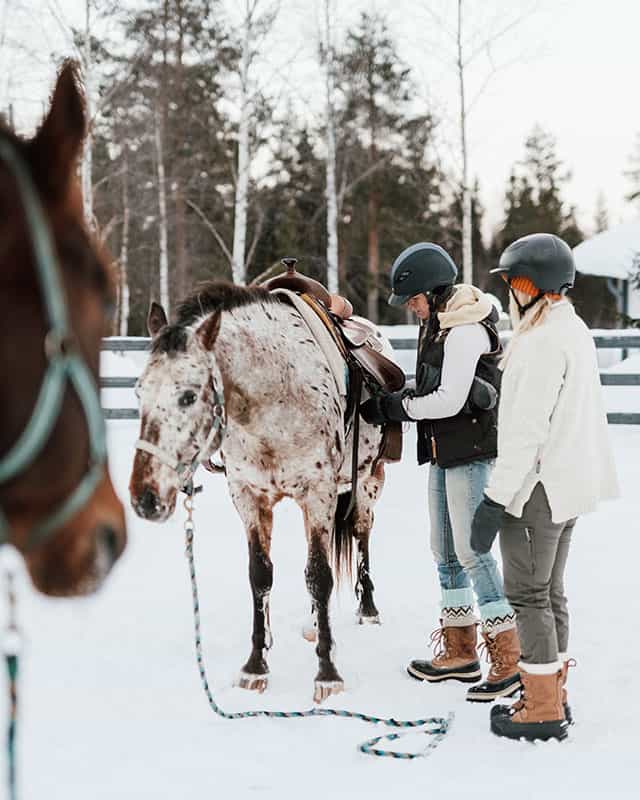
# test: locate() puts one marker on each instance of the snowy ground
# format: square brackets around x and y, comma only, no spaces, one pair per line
[112,707]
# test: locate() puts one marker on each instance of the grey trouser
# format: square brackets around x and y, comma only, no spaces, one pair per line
[534,555]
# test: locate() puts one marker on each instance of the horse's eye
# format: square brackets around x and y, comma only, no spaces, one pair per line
[187,399]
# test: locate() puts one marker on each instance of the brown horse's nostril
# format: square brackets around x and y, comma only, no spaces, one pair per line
[148,504]
[109,539]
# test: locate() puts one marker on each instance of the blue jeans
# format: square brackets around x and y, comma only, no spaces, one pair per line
[454,494]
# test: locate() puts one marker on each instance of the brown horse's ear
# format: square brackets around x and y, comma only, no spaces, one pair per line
[156,319]
[209,330]
[55,149]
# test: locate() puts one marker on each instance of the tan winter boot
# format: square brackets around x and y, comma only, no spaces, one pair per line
[540,714]
[503,680]
[456,656]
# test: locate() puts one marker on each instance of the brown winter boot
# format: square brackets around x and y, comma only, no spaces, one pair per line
[503,680]
[456,656]
[570,662]
[540,714]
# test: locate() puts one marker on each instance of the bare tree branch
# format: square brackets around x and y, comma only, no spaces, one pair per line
[256,237]
[212,229]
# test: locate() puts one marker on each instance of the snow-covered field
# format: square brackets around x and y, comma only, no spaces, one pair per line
[111,704]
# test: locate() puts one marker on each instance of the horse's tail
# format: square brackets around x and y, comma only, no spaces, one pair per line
[343,536]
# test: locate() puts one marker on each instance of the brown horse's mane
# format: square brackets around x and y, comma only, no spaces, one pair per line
[207,298]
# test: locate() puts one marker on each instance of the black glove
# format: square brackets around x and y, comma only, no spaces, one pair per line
[486,522]
[385,407]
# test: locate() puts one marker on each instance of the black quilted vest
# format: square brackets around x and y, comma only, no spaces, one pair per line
[472,434]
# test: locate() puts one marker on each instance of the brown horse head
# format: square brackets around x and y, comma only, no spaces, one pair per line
[76,557]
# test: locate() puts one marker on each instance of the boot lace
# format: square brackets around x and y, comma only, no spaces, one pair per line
[491,652]
[439,642]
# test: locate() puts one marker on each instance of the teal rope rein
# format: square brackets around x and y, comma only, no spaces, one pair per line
[434,727]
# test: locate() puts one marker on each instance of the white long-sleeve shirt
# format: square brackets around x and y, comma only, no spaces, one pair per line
[462,350]
[552,426]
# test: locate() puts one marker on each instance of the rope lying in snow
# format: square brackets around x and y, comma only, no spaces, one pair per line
[438,727]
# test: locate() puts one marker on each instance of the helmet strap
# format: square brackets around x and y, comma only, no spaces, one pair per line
[524,308]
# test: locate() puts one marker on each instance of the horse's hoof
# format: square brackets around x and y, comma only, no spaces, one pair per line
[324,689]
[363,619]
[310,633]
[255,683]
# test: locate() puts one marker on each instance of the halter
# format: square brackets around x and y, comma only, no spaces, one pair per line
[64,364]
[186,469]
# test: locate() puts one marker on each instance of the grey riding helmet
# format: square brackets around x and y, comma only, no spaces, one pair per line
[420,269]
[545,259]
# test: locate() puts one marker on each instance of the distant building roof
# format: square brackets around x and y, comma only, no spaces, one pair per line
[610,253]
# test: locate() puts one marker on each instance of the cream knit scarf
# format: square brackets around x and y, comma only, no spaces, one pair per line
[467,305]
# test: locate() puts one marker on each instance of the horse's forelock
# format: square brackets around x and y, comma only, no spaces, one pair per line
[171,340]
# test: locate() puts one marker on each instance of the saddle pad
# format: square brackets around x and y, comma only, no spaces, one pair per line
[335,361]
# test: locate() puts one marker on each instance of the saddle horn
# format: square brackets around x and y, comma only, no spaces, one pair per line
[296,282]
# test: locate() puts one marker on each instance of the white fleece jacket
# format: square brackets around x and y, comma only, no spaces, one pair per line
[465,343]
[552,425]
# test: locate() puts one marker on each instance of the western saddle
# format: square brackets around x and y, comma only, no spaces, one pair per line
[361,347]
[354,336]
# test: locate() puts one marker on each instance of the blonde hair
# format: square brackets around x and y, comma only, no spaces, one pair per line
[521,323]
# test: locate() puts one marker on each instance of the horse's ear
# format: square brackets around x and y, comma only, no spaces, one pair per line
[55,149]
[156,319]
[209,330]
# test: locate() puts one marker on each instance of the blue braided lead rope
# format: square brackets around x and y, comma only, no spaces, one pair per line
[434,727]
[11,647]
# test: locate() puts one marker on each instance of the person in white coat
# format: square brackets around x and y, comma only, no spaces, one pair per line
[554,464]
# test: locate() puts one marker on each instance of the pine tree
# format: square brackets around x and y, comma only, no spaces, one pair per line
[375,83]
[387,186]
[533,198]
[177,77]
[534,204]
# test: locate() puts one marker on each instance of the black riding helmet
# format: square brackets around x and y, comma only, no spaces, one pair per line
[545,259]
[420,269]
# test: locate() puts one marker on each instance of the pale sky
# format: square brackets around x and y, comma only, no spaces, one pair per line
[572,66]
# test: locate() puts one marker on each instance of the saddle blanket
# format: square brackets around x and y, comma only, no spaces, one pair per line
[335,361]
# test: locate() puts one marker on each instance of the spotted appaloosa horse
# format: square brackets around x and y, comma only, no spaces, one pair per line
[78,555]
[282,435]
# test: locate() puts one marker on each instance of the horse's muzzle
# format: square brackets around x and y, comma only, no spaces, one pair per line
[148,506]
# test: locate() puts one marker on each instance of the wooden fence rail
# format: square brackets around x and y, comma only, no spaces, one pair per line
[624,340]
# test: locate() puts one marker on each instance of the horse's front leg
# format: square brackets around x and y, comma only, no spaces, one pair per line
[257,516]
[319,578]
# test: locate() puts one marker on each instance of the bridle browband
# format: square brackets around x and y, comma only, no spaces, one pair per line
[65,364]
[186,469]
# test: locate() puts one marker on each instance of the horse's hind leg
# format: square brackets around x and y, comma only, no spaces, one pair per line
[368,492]
[258,519]
[319,579]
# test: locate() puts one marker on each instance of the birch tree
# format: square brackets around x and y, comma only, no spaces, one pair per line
[467,253]
[242,179]
[327,55]
[87,148]
[471,52]
[162,217]
[123,282]
[256,22]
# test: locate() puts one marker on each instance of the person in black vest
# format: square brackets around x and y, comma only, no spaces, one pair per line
[455,406]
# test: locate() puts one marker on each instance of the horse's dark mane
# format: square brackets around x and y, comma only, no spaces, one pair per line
[219,296]
[207,298]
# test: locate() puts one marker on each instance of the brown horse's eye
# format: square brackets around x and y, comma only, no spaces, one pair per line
[187,399]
